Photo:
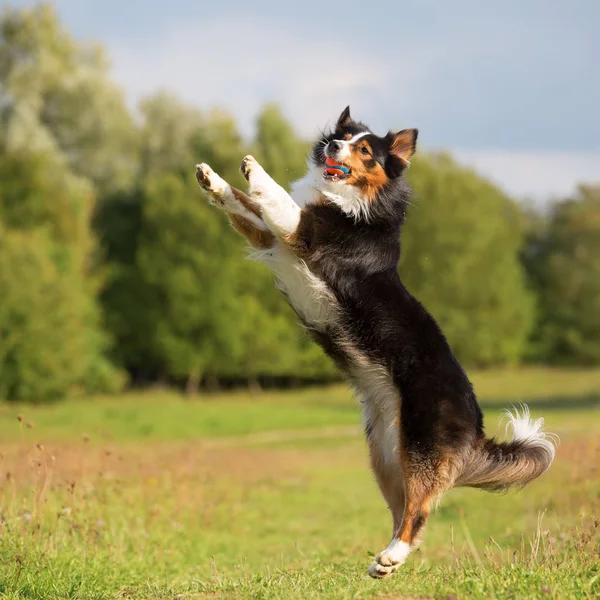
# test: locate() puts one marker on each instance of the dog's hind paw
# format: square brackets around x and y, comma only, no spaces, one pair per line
[389,559]
[378,571]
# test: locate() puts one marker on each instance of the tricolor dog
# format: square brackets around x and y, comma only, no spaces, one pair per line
[333,245]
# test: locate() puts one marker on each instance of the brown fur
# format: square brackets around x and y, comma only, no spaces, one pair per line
[367,177]
[259,239]
[424,480]
[404,144]
[245,201]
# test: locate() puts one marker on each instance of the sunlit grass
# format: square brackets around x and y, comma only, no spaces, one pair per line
[290,513]
[170,416]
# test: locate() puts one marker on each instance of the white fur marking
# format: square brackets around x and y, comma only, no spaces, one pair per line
[278,209]
[344,151]
[349,199]
[378,571]
[307,190]
[529,431]
[312,186]
[380,406]
[309,295]
[357,137]
[395,554]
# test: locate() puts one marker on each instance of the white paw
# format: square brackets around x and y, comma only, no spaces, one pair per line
[378,571]
[213,185]
[388,561]
[249,166]
[261,185]
[394,555]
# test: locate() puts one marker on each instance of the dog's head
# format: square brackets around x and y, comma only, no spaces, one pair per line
[373,163]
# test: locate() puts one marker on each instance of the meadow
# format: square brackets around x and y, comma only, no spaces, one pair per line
[243,495]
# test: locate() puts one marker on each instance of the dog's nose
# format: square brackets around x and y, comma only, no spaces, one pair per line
[335,145]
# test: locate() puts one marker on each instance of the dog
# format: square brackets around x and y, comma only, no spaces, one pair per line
[333,247]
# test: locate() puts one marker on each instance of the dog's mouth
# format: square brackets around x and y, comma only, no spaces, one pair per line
[335,171]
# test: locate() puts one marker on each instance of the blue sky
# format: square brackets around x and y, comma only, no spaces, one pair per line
[512,88]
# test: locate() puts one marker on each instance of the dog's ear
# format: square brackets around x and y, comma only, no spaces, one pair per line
[345,119]
[403,144]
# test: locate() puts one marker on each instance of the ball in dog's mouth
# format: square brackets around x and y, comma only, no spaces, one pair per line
[335,171]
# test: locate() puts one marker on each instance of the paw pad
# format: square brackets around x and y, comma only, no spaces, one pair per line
[246,166]
[203,175]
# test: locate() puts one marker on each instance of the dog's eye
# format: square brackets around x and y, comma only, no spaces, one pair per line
[364,150]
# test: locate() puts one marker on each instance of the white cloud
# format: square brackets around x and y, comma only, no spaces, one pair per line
[538,175]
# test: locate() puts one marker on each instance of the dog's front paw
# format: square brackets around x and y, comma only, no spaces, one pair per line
[203,173]
[211,184]
[249,164]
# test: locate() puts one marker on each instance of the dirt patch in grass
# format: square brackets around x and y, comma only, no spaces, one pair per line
[24,463]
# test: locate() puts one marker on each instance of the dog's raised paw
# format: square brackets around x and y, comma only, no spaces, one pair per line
[204,176]
[248,163]
[212,185]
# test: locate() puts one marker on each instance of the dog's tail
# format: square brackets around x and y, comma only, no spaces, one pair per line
[496,466]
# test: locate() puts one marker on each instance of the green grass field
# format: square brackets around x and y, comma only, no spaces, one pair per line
[150,496]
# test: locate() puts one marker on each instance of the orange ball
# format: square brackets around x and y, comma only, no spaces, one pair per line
[334,168]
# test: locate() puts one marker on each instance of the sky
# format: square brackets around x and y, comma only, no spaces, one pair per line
[511,88]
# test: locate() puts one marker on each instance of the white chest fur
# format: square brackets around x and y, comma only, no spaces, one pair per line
[310,296]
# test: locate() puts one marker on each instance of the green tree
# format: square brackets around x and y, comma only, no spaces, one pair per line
[51,342]
[57,98]
[168,253]
[167,135]
[460,258]
[278,147]
[220,144]
[563,259]
[185,263]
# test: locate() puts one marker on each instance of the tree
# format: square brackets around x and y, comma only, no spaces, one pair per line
[460,257]
[278,148]
[563,259]
[57,98]
[186,264]
[167,135]
[51,342]
[167,250]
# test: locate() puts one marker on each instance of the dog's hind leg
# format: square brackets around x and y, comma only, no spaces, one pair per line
[390,479]
[425,479]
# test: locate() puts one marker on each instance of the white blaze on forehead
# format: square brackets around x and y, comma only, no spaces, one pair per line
[344,151]
[357,137]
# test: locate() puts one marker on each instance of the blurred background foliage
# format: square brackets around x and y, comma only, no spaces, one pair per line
[114,270]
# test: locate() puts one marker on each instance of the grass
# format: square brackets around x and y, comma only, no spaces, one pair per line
[161,416]
[271,497]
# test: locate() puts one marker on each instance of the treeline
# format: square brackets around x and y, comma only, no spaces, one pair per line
[113,268]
